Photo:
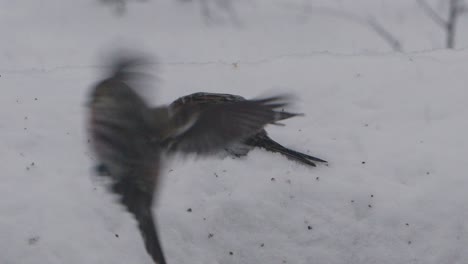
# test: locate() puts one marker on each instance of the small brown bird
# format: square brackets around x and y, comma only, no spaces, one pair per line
[128,142]
[259,139]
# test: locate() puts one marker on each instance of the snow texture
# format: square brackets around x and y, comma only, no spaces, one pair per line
[392,125]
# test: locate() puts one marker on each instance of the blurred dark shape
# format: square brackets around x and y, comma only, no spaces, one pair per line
[260,139]
[213,11]
[119,6]
[384,34]
[122,140]
[128,137]
[455,9]
[138,69]
[216,11]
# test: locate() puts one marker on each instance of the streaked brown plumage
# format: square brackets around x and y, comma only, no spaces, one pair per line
[128,142]
[259,139]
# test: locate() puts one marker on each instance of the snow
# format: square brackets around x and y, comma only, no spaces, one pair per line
[392,126]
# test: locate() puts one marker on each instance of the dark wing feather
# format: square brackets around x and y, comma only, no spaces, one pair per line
[138,201]
[210,128]
[204,98]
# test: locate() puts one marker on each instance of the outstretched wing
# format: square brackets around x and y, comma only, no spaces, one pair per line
[206,129]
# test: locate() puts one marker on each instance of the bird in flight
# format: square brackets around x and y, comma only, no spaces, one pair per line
[259,139]
[128,137]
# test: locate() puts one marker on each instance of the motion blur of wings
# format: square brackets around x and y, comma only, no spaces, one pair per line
[259,139]
[128,137]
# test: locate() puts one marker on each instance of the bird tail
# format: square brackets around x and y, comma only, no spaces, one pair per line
[269,144]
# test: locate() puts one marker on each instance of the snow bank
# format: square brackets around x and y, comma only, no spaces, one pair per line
[392,126]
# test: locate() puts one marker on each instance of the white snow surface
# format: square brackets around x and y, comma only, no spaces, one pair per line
[392,125]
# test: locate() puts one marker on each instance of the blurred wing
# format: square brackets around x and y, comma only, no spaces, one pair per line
[128,153]
[137,198]
[203,130]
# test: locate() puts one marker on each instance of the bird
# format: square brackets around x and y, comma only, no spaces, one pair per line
[259,139]
[129,138]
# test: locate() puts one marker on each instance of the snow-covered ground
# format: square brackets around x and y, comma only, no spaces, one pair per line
[392,125]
